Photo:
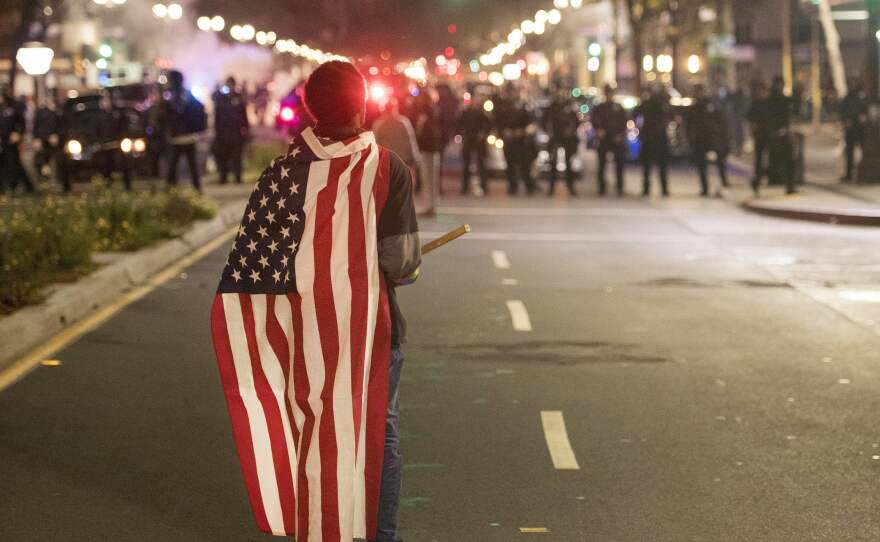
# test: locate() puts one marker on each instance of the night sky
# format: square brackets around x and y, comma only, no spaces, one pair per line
[405,28]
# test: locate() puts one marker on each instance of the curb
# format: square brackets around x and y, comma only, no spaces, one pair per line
[34,325]
[850,218]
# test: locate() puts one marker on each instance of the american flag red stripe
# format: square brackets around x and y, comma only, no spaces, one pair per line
[304,359]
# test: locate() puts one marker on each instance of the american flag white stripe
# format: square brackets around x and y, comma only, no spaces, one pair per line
[272,367]
[370,220]
[304,264]
[342,406]
[256,415]
[284,316]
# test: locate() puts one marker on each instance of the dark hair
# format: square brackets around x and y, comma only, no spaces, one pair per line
[175,80]
[335,93]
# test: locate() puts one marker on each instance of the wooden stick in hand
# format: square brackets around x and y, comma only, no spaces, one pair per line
[445,238]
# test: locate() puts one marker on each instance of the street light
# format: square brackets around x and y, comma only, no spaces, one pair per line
[664,63]
[175,11]
[693,64]
[35,58]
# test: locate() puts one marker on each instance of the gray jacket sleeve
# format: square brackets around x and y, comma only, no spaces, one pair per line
[400,255]
[399,247]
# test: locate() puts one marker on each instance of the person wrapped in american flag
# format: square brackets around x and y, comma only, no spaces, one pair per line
[307,330]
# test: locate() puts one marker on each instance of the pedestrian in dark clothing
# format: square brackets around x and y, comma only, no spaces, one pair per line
[156,132]
[231,128]
[853,116]
[430,146]
[474,126]
[562,125]
[47,137]
[448,115]
[609,121]
[12,127]
[185,120]
[781,156]
[759,119]
[706,127]
[515,126]
[112,129]
[656,114]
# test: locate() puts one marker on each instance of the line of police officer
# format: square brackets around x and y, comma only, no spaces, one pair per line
[706,126]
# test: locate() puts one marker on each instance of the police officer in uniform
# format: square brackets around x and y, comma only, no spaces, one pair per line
[707,132]
[781,156]
[185,120]
[47,136]
[562,124]
[656,113]
[231,129]
[759,120]
[609,121]
[12,126]
[474,125]
[515,128]
[853,116]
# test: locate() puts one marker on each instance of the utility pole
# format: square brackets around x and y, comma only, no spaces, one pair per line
[873,55]
[635,12]
[787,69]
[815,72]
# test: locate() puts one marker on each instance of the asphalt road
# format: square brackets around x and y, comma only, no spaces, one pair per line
[716,373]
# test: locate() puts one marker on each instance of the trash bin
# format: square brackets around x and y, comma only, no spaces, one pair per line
[786,159]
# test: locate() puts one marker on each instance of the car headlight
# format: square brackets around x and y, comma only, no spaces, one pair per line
[125,145]
[74,147]
[139,145]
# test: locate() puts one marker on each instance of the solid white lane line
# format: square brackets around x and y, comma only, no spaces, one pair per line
[562,237]
[499,258]
[519,315]
[557,440]
[532,211]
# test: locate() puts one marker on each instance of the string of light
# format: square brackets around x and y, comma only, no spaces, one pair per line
[534,26]
[246,33]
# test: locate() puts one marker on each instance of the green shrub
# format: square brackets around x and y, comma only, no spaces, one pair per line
[41,241]
[49,239]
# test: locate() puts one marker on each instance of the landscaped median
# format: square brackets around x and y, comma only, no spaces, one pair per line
[63,257]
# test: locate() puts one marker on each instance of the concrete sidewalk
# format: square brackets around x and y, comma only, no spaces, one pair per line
[823,197]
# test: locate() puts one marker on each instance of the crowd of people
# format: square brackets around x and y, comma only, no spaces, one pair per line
[539,132]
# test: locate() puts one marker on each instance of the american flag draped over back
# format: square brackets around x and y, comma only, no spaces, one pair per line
[302,334]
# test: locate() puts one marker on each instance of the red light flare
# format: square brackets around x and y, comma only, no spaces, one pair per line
[449,52]
[452,29]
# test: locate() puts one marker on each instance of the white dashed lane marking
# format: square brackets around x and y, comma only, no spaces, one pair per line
[519,315]
[499,258]
[557,440]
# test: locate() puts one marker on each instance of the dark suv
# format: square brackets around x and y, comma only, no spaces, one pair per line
[98,137]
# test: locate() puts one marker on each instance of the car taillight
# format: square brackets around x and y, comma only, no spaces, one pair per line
[287,114]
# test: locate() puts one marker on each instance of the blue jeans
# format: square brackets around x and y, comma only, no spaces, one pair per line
[389,498]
